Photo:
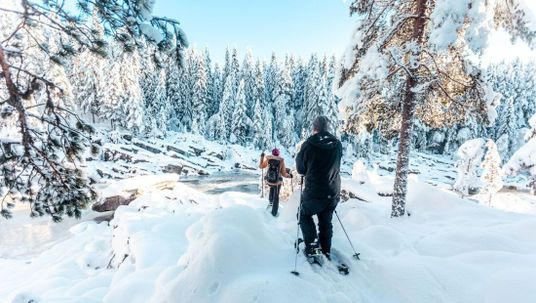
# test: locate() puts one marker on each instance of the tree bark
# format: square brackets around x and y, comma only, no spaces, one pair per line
[398,207]
[15,100]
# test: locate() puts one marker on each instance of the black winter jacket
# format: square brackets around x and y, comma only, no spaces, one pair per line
[319,159]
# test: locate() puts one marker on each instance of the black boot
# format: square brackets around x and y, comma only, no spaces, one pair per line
[313,253]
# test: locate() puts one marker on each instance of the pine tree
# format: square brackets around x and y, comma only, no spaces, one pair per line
[333,101]
[174,95]
[227,105]
[215,91]
[199,95]
[416,50]
[188,88]
[131,105]
[241,122]
[114,93]
[88,77]
[260,133]
[247,73]
[282,112]
[299,76]
[226,65]
[492,173]
[507,127]
[315,95]
[41,167]
[260,140]
[157,105]
[271,79]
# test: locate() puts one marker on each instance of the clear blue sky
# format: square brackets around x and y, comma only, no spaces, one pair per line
[299,27]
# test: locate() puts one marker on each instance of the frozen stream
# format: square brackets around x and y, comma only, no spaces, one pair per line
[224,182]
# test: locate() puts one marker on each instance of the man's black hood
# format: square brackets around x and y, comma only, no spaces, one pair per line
[323,140]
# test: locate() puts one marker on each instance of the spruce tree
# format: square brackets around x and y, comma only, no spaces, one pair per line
[247,73]
[199,95]
[282,109]
[174,94]
[228,103]
[299,76]
[215,91]
[241,122]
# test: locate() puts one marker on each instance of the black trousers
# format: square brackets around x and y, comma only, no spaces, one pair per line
[273,197]
[323,209]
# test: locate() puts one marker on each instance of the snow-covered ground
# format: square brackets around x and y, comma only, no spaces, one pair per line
[183,245]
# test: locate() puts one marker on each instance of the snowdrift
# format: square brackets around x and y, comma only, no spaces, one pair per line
[181,245]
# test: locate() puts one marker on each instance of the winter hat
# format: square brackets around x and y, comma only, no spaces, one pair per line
[275,152]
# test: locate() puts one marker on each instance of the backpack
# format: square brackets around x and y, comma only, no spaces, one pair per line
[272,175]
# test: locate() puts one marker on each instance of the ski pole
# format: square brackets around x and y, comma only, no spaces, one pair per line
[262,182]
[297,243]
[356,254]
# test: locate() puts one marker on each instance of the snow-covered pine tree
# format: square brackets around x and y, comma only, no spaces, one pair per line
[226,70]
[87,75]
[247,73]
[418,49]
[260,139]
[299,76]
[199,94]
[235,66]
[39,163]
[315,95]
[507,127]
[529,81]
[131,106]
[491,170]
[227,105]
[271,80]
[216,128]
[215,91]
[156,105]
[175,95]
[333,101]
[284,131]
[260,134]
[188,82]
[241,122]
[113,91]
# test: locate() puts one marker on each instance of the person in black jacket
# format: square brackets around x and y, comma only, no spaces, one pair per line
[319,160]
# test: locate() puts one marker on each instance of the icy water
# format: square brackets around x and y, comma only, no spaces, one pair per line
[224,182]
[23,236]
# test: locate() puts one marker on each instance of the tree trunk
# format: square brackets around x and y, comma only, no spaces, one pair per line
[15,100]
[398,207]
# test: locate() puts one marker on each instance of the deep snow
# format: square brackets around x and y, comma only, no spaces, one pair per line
[182,245]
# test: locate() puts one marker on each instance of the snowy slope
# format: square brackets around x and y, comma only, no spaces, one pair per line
[182,245]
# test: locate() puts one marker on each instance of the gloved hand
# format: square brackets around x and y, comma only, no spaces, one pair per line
[262,155]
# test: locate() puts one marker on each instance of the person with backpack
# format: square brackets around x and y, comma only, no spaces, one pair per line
[319,160]
[274,176]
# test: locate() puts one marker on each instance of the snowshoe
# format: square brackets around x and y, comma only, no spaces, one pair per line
[339,261]
[313,254]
